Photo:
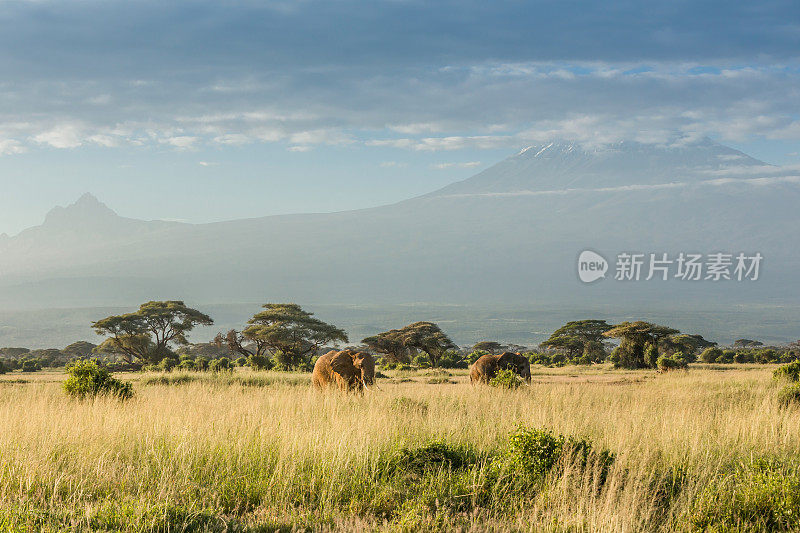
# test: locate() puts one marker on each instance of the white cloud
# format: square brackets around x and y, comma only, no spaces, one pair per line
[232,139]
[207,164]
[183,142]
[435,144]
[63,136]
[104,140]
[417,128]
[469,164]
[392,164]
[640,187]
[299,148]
[10,147]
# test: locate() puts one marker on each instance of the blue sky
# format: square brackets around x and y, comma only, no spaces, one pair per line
[203,111]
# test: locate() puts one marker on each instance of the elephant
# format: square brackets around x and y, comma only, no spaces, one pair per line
[487,366]
[349,370]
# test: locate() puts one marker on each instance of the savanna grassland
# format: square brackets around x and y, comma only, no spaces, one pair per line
[708,449]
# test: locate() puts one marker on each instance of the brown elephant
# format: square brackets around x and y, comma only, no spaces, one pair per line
[349,370]
[487,366]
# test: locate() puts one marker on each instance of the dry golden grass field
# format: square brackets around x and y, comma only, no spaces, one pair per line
[705,449]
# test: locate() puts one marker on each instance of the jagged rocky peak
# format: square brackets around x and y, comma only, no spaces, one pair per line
[87,209]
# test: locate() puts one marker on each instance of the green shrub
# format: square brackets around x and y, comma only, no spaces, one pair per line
[187,365]
[259,362]
[436,455]
[753,497]
[532,453]
[167,364]
[789,395]
[790,372]
[421,361]
[506,379]
[3,368]
[452,359]
[710,355]
[201,363]
[241,361]
[223,364]
[31,365]
[87,379]
[666,363]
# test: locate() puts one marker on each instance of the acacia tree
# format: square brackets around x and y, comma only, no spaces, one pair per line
[292,335]
[238,343]
[580,337]
[390,344]
[429,338]
[684,343]
[488,346]
[146,335]
[639,343]
[419,336]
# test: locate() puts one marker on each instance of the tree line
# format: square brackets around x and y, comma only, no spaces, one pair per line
[283,336]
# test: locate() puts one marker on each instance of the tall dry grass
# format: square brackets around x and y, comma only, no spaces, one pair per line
[214,453]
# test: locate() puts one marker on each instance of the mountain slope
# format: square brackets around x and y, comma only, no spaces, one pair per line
[510,235]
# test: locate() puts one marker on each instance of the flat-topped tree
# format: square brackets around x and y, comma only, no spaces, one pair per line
[492,347]
[685,343]
[146,335]
[294,336]
[747,343]
[419,336]
[390,344]
[639,343]
[236,342]
[427,337]
[579,336]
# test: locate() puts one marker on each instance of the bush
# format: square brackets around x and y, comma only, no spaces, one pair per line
[223,364]
[666,363]
[3,368]
[187,365]
[421,361]
[167,364]
[790,372]
[754,497]
[789,395]
[31,365]
[710,355]
[506,379]
[432,457]
[259,362]
[87,379]
[532,453]
[201,363]
[242,361]
[452,359]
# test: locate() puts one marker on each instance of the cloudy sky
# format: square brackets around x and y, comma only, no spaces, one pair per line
[202,111]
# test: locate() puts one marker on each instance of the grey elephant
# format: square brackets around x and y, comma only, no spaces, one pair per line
[347,369]
[487,366]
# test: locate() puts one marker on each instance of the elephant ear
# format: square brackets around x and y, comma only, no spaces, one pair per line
[507,360]
[342,364]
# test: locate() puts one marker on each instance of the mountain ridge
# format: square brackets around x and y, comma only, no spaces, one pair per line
[517,249]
